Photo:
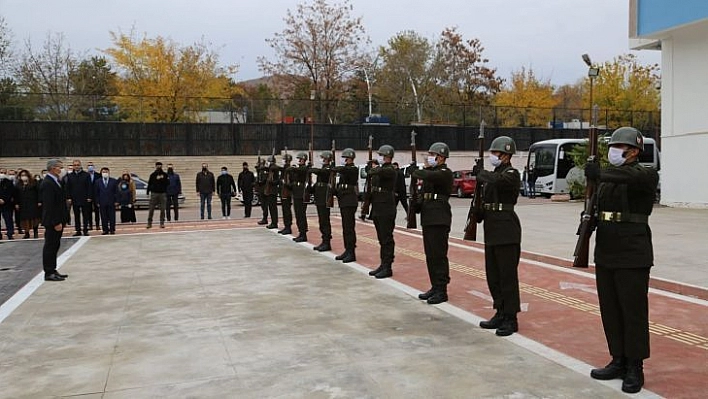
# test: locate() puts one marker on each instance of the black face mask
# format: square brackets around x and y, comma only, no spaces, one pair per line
[170,170]
[204,168]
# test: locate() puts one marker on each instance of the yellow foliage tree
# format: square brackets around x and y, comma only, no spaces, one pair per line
[162,81]
[526,101]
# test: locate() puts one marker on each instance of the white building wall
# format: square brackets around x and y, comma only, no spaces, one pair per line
[684,116]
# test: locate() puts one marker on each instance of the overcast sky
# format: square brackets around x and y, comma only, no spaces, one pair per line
[546,35]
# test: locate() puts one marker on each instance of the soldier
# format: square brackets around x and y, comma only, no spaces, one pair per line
[502,235]
[435,219]
[286,186]
[270,191]
[348,202]
[383,209]
[261,176]
[300,176]
[624,256]
[321,200]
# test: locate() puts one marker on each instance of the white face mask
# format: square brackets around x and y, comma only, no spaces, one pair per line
[24,179]
[495,160]
[344,162]
[615,156]
[3,176]
[105,175]
[432,161]
[381,159]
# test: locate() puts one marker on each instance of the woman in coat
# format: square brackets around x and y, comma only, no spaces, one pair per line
[27,203]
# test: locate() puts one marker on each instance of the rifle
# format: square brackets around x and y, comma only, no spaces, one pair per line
[308,190]
[286,193]
[413,202]
[329,198]
[367,185]
[587,219]
[476,203]
[268,190]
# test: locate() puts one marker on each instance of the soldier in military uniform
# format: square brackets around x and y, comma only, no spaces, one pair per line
[300,176]
[270,191]
[261,177]
[435,219]
[502,235]
[624,255]
[348,202]
[383,209]
[321,200]
[286,179]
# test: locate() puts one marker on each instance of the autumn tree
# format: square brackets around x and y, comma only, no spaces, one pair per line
[569,102]
[96,84]
[161,80]
[526,100]
[321,44]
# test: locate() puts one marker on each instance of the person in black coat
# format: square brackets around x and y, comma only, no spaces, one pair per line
[225,187]
[53,198]
[78,191]
[7,199]
[246,179]
[106,195]
[27,203]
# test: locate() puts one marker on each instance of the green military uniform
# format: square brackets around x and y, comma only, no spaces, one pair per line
[435,220]
[347,197]
[270,192]
[286,202]
[383,212]
[502,237]
[300,179]
[323,212]
[261,177]
[623,257]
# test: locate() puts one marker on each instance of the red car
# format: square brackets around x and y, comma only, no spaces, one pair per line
[463,183]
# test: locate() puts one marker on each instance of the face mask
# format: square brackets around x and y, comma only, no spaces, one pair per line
[11,177]
[432,161]
[3,176]
[616,156]
[204,168]
[223,173]
[24,179]
[105,175]
[170,170]
[381,159]
[90,168]
[124,186]
[495,160]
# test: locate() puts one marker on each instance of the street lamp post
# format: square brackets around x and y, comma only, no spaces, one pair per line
[312,119]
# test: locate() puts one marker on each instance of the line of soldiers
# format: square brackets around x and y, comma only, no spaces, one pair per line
[625,199]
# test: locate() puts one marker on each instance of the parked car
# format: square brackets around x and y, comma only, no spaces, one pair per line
[142,200]
[463,183]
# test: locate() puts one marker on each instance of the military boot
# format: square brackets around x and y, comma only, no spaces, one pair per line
[385,272]
[375,271]
[427,294]
[617,368]
[342,256]
[493,323]
[285,231]
[272,226]
[324,246]
[351,257]
[300,238]
[439,295]
[508,326]
[634,379]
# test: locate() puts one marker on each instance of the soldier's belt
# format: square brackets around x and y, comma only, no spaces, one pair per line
[627,217]
[434,196]
[495,207]
[375,189]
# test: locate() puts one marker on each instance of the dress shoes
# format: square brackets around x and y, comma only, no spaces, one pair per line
[508,326]
[261,222]
[285,231]
[61,275]
[375,271]
[386,272]
[493,323]
[439,296]
[634,379]
[324,247]
[342,256]
[53,277]
[77,234]
[105,233]
[300,238]
[349,258]
[617,368]
[272,226]
[427,294]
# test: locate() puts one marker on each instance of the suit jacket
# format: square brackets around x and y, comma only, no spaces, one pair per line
[78,187]
[106,194]
[53,200]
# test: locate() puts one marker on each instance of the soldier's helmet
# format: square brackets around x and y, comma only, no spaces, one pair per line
[348,153]
[503,144]
[386,150]
[326,155]
[302,155]
[629,136]
[271,158]
[440,149]
[287,158]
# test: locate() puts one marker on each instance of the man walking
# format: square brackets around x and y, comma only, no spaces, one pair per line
[78,192]
[174,189]
[51,193]
[225,188]
[206,185]
[245,186]
[383,209]
[157,190]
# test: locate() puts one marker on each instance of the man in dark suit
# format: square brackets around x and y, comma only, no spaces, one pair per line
[78,191]
[54,207]
[106,196]
[245,186]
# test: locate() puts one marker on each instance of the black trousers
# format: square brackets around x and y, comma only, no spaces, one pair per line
[323,220]
[82,213]
[108,218]
[97,215]
[624,307]
[273,209]
[384,232]
[403,200]
[287,205]
[127,214]
[348,227]
[172,203]
[225,204]
[501,263]
[247,203]
[436,246]
[264,205]
[300,215]
[52,242]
